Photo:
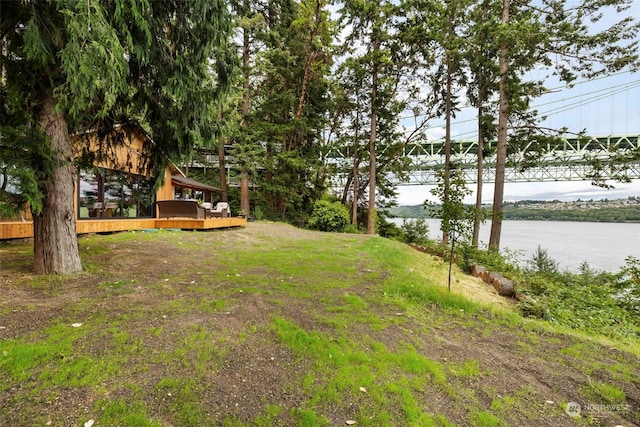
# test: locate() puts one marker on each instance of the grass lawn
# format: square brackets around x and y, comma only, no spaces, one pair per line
[271,325]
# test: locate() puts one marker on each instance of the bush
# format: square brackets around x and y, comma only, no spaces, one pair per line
[329,216]
[388,229]
[416,231]
[541,262]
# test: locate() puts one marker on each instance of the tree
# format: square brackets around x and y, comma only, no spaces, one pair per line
[457,218]
[565,38]
[286,83]
[370,27]
[480,53]
[70,66]
[381,83]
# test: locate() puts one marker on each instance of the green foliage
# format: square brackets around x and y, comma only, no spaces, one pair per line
[388,229]
[588,300]
[329,216]
[627,281]
[541,262]
[415,231]
[457,218]
[258,213]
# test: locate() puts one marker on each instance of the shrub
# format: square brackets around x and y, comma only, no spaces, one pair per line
[541,262]
[329,216]
[388,229]
[416,231]
[258,213]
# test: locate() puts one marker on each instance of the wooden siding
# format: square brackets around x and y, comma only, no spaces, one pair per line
[166,191]
[24,230]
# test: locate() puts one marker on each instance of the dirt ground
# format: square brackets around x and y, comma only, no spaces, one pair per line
[253,369]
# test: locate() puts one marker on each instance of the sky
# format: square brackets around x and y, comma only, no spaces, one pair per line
[608,105]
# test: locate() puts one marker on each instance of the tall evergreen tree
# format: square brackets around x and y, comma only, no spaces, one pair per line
[69,66]
[564,37]
[286,84]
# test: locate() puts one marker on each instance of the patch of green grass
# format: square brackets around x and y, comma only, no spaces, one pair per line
[308,418]
[342,368]
[55,360]
[186,406]
[118,287]
[155,331]
[577,350]
[470,369]
[121,412]
[412,285]
[606,392]
[269,417]
[487,419]
[504,403]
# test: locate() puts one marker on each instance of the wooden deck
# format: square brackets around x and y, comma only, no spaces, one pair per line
[23,230]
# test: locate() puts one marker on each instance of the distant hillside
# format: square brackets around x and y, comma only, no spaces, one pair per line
[622,210]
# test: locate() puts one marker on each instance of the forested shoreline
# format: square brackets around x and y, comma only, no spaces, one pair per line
[602,211]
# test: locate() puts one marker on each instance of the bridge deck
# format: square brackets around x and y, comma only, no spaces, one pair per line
[541,160]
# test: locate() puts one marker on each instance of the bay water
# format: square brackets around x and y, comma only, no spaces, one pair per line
[603,246]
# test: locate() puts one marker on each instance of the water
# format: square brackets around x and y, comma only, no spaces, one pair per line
[604,246]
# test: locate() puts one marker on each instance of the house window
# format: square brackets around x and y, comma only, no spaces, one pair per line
[106,193]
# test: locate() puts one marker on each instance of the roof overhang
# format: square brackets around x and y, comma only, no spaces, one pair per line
[184,182]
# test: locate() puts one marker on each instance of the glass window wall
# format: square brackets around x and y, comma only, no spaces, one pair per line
[106,193]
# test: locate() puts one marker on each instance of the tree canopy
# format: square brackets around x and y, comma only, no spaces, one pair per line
[71,66]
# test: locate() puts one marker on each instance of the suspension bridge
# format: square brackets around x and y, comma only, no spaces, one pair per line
[558,159]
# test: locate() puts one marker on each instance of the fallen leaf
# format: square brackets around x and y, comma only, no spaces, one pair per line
[362,389]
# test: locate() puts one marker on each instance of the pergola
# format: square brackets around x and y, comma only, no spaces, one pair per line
[183,182]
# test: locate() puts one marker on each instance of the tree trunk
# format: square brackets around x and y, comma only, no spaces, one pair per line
[477,217]
[55,243]
[244,173]
[501,154]
[244,191]
[221,164]
[310,55]
[447,147]
[354,205]
[356,168]
[371,217]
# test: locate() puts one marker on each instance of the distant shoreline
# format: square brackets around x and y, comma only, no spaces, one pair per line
[613,211]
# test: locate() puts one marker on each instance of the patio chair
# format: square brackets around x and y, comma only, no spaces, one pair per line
[221,210]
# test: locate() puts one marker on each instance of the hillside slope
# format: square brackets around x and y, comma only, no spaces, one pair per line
[272,325]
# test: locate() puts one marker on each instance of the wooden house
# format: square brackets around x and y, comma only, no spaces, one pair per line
[113,195]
